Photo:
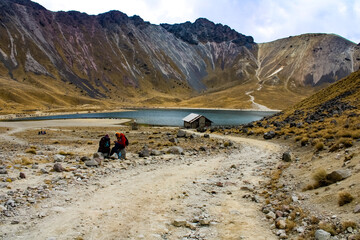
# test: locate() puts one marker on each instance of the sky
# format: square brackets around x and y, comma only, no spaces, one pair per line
[264,20]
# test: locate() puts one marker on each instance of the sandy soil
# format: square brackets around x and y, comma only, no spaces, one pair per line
[191,196]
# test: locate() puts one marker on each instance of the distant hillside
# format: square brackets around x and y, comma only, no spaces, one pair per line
[328,119]
[68,59]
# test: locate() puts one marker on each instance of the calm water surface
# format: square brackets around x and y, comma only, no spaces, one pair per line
[173,117]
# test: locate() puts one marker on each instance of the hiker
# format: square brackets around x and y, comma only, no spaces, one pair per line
[104,146]
[120,144]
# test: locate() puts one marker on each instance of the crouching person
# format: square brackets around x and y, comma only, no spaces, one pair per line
[120,145]
[104,146]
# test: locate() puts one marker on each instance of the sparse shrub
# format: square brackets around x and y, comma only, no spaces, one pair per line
[297,138]
[66,153]
[345,134]
[30,150]
[226,144]
[26,161]
[334,147]
[290,225]
[330,228]
[328,136]
[304,141]
[355,135]
[347,142]
[344,198]
[320,178]
[345,225]
[319,146]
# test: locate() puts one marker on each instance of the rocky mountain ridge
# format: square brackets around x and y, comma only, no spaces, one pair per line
[51,59]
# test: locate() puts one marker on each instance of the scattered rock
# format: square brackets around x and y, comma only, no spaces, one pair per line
[280,223]
[144,152]
[206,135]
[181,133]
[84,159]
[176,150]
[174,140]
[44,171]
[338,175]
[98,160]
[58,168]
[155,152]
[15,222]
[59,158]
[286,157]
[179,223]
[271,215]
[92,163]
[322,235]
[357,209]
[98,155]
[22,175]
[269,135]
[3,171]
[204,222]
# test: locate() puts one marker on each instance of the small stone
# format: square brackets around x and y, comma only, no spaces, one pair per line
[58,167]
[22,175]
[155,152]
[357,209]
[181,133]
[15,222]
[280,223]
[204,222]
[270,215]
[84,159]
[44,171]
[176,150]
[300,229]
[92,163]
[31,200]
[179,223]
[322,235]
[192,226]
[98,155]
[286,157]
[3,171]
[206,135]
[59,158]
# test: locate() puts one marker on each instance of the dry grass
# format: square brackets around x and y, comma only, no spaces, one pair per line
[344,198]
[31,150]
[26,161]
[319,146]
[330,228]
[345,225]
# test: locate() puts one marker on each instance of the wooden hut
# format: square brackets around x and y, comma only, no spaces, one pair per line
[194,120]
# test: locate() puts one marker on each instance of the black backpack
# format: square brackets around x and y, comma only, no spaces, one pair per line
[104,142]
[126,141]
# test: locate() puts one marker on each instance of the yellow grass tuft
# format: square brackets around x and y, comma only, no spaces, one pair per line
[345,198]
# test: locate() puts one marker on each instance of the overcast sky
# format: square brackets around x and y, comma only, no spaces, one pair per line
[265,20]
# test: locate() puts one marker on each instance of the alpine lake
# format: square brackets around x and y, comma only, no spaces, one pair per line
[171,117]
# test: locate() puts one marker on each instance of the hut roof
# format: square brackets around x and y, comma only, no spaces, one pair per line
[193,117]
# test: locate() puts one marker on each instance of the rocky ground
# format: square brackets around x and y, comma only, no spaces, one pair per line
[173,185]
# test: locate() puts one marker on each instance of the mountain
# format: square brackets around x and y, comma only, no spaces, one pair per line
[68,59]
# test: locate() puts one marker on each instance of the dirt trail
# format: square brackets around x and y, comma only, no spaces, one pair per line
[143,201]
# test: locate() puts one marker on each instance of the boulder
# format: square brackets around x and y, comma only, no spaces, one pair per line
[144,152]
[155,152]
[176,150]
[286,157]
[338,175]
[269,135]
[181,133]
[22,175]
[58,168]
[92,163]
[322,235]
[59,158]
